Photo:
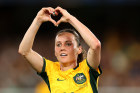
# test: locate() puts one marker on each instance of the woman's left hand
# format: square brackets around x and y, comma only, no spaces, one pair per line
[65,15]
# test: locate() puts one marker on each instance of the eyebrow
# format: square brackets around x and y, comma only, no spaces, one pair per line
[68,41]
[65,41]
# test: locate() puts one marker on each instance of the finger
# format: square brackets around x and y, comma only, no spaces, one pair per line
[51,10]
[59,21]
[56,13]
[48,10]
[59,9]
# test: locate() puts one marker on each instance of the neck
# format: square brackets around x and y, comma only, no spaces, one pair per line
[67,66]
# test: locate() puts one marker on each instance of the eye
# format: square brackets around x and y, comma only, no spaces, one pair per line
[58,45]
[68,44]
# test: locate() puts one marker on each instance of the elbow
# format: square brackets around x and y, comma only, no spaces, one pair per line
[22,52]
[96,45]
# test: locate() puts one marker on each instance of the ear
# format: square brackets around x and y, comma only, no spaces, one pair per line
[80,49]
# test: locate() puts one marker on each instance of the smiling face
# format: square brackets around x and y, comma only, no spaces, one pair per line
[66,48]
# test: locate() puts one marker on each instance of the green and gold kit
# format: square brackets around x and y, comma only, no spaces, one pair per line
[81,79]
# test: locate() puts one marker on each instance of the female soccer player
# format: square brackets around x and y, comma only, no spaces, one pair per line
[68,75]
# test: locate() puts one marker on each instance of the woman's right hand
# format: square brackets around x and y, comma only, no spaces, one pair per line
[44,15]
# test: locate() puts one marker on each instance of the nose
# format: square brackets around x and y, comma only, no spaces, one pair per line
[62,48]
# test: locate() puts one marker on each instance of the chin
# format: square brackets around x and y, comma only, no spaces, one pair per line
[64,60]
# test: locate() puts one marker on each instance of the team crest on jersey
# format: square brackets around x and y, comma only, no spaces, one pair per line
[79,78]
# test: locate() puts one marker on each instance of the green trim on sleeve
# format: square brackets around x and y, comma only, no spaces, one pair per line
[43,68]
[43,74]
[44,65]
[93,82]
[93,77]
[95,71]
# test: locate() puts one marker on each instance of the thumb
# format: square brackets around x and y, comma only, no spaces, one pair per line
[59,21]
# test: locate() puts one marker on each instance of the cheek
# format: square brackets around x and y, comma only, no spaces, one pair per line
[73,50]
[56,50]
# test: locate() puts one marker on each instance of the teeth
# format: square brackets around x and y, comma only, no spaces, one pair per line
[63,54]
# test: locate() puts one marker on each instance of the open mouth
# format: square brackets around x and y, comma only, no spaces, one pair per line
[63,54]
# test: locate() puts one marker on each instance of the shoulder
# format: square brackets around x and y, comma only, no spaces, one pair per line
[50,64]
[83,62]
[85,65]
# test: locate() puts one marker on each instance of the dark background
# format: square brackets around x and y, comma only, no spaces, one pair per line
[116,23]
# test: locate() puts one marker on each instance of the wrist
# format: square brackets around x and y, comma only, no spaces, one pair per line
[38,21]
[70,19]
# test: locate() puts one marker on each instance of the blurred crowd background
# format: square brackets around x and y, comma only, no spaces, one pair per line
[116,23]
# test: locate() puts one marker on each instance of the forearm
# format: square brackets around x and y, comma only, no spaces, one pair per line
[86,34]
[28,39]
[94,52]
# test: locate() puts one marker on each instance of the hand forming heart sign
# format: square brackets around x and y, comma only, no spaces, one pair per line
[45,15]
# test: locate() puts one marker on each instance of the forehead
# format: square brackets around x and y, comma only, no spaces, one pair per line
[65,36]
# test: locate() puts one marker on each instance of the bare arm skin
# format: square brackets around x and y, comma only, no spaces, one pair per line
[94,52]
[26,44]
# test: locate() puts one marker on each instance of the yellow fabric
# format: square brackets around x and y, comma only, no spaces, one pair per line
[42,88]
[63,81]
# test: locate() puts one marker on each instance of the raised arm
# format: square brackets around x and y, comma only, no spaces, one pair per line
[26,44]
[94,52]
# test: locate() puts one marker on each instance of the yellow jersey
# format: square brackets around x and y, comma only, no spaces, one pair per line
[42,88]
[81,79]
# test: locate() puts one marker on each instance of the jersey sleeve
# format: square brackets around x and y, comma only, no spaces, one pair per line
[94,76]
[46,70]
[95,72]
[47,64]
